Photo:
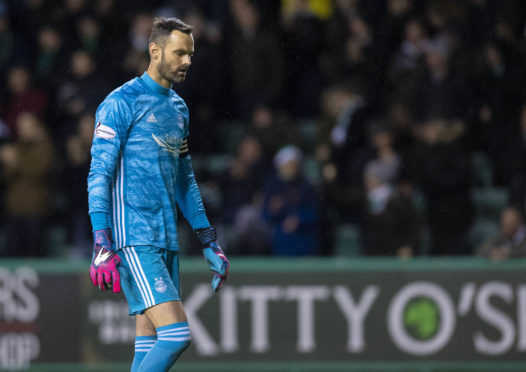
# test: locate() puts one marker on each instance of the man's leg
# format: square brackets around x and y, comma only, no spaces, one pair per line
[145,337]
[173,335]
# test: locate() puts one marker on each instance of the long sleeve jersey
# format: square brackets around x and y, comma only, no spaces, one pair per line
[140,168]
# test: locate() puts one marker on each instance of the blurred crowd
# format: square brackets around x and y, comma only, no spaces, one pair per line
[318,127]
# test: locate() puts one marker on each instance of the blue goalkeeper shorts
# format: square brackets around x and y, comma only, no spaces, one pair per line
[149,276]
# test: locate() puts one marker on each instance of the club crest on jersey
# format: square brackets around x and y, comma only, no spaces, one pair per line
[169,143]
[160,285]
[103,131]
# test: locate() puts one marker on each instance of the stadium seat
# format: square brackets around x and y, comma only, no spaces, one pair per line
[481,230]
[482,170]
[231,134]
[489,201]
[311,169]
[347,240]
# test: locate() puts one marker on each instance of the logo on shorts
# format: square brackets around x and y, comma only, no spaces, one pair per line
[160,285]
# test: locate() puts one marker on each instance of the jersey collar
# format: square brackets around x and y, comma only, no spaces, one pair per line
[154,86]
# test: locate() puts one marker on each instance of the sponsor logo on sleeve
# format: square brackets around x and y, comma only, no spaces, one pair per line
[103,131]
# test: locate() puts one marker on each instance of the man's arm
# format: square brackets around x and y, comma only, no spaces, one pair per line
[190,202]
[111,125]
[112,121]
[187,193]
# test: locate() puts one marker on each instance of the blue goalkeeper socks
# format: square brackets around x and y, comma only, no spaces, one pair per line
[172,340]
[143,344]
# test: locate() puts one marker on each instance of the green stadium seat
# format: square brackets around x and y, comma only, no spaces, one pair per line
[482,170]
[347,240]
[218,163]
[57,241]
[311,169]
[481,230]
[231,134]
[489,201]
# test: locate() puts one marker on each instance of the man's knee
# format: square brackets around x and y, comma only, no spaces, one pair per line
[166,313]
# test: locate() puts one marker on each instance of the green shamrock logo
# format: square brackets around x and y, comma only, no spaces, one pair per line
[422,318]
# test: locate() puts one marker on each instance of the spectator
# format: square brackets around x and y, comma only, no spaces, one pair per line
[50,56]
[403,129]
[242,199]
[438,91]
[28,166]
[205,105]
[408,60]
[89,35]
[273,128]
[302,38]
[342,139]
[266,63]
[135,59]
[349,134]
[253,83]
[22,97]
[516,156]
[391,226]
[445,180]
[290,207]
[6,39]
[510,241]
[380,149]
[244,178]
[81,90]
[77,165]
[498,95]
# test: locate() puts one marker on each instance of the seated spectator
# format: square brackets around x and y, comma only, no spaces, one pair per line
[510,241]
[27,166]
[290,207]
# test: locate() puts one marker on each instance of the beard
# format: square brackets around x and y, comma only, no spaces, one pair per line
[166,73]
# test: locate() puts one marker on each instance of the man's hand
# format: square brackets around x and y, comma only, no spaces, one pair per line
[104,271]
[218,264]
[215,257]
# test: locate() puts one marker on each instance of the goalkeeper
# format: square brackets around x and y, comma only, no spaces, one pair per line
[140,171]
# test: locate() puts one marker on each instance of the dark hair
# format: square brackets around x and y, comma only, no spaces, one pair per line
[163,27]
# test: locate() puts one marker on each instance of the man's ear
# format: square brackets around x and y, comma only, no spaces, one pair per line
[155,51]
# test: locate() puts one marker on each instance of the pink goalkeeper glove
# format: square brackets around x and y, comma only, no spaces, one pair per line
[218,264]
[104,271]
[215,257]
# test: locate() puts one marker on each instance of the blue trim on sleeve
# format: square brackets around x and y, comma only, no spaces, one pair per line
[99,220]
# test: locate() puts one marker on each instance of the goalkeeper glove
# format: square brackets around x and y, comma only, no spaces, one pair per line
[104,271]
[214,255]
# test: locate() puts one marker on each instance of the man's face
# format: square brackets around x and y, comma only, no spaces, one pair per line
[176,57]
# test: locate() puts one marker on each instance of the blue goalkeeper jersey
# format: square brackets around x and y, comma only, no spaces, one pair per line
[140,167]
